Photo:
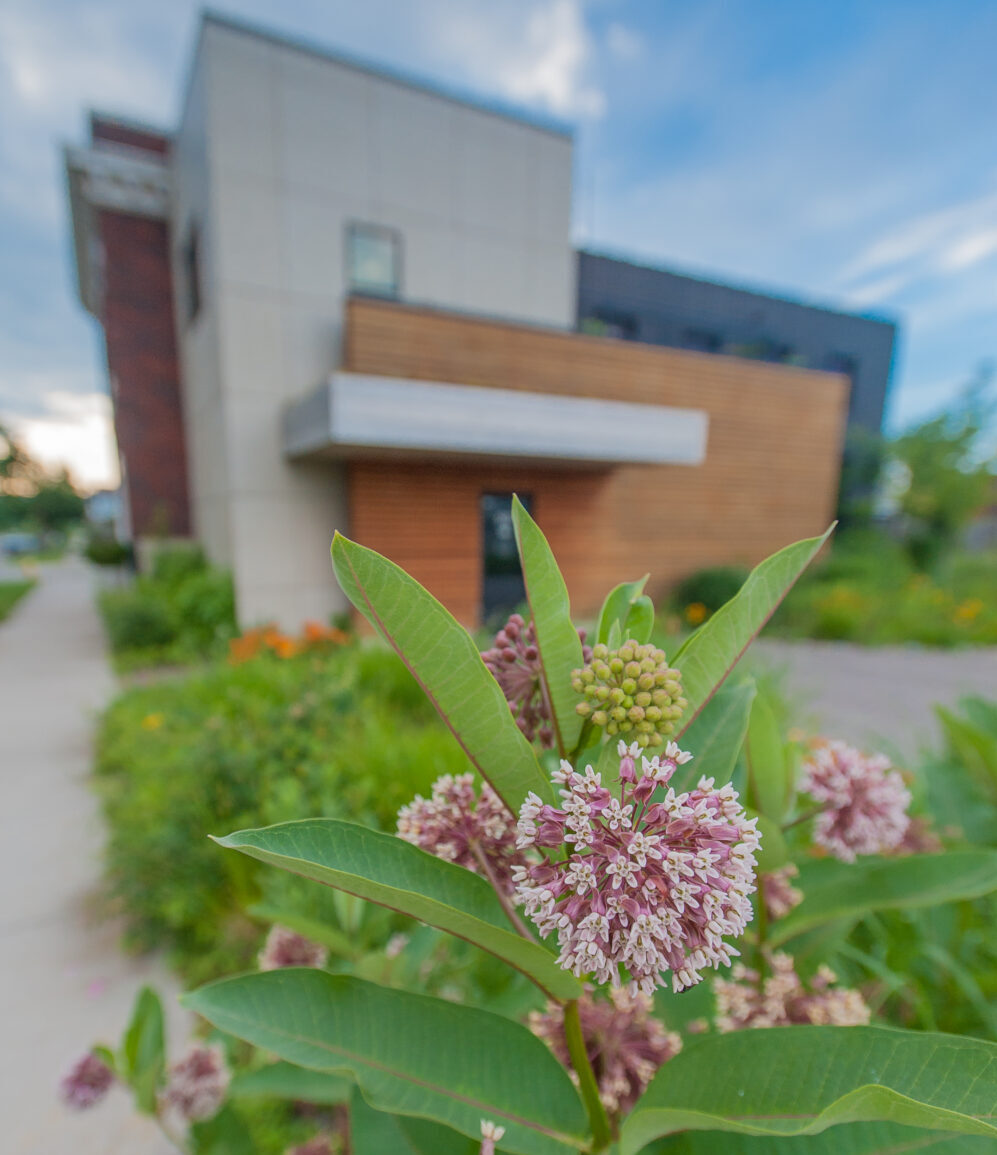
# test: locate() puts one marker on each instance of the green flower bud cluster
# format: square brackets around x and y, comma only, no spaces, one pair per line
[631,691]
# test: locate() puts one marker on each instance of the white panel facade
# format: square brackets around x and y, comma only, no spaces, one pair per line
[292,148]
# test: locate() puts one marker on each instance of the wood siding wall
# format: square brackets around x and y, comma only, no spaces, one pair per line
[770,475]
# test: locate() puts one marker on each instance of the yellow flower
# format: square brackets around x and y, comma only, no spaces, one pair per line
[695,613]
[152,721]
[968,610]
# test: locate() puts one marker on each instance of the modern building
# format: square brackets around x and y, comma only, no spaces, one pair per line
[637,302]
[335,298]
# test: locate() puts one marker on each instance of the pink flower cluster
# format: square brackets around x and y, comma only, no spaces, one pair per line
[744,1001]
[780,894]
[287,948]
[864,802]
[197,1084]
[87,1083]
[455,823]
[514,661]
[625,1045]
[647,885]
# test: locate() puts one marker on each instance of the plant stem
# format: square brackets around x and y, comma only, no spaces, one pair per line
[583,738]
[804,817]
[510,910]
[761,964]
[599,1120]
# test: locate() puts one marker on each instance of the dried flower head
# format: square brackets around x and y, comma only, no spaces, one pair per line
[864,801]
[491,1133]
[196,1085]
[780,894]
[625,1045]
[87,1082]
[631,690]
[287,948]
[744,1001]
[474,831]
[514,661]
[646,886]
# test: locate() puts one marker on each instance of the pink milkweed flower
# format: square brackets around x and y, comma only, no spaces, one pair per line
[514,662]
[463,827]
[86,1083]
[491,1133]
[625,1045]
[864,801]
[645,887]
[287,948]
[744,1002]
[780,894]
[197,1084]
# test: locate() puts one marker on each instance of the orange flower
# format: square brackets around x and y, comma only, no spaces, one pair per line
[695,613]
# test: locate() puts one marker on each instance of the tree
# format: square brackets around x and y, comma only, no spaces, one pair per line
[29,495]
[951,477]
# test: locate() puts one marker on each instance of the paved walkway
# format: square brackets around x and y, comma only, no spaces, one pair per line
[881,698]
[64,984]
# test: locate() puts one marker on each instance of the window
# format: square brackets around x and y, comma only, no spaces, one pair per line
[502,579]
[373,260]
[191,260]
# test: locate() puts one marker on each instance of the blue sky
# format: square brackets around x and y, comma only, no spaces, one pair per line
[842,152]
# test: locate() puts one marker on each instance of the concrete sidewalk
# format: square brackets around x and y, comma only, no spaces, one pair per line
[64,983]
[881,698]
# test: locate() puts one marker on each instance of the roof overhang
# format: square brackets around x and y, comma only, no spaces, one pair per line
[116,178]
[355,415]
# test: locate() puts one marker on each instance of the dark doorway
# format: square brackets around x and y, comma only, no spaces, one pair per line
[502,578]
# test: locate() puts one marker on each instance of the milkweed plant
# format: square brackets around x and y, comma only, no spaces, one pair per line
[632,830]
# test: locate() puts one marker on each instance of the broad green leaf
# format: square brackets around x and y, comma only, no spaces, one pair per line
[376,1133]
[143,1049]
[769,768]
[833,889]
[709,655]
[802,1080]
[410,1054]
[849,1139]
[445,662]
[972,745]
[772,853]
[716,736]
[640,621]
[390,871]
[981,713]
[616,607]
[557,638]
[297,1084]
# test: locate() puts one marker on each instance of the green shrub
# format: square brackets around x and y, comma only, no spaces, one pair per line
[173,565]
[205,603]
[710,587]
[137,619]
[108,551]
[345,734]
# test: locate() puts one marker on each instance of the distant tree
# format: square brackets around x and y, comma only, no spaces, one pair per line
[56,505]
[31,496]
[951,476]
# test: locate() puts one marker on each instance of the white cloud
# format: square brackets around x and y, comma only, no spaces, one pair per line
[76,434]
[623,42]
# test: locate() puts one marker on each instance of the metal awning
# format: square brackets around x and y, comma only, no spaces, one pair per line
[356,415]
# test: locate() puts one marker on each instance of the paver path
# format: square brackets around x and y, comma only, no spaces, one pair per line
[63,981]
[876,696]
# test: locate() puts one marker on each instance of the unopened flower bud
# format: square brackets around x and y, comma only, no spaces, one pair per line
[642,692]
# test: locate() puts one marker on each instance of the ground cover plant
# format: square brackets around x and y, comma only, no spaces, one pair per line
[598,847]
[11,593]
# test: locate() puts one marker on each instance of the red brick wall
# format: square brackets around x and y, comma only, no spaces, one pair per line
[115,132]
[144,370]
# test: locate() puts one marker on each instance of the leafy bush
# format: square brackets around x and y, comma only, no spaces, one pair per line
[710,587]
[346,733]
[137,619]
[182,610]
[103,550]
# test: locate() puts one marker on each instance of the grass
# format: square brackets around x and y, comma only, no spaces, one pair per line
[11,593]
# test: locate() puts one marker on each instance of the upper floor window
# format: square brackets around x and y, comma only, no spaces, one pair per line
[373,260]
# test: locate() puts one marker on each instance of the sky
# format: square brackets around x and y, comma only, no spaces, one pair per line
[838,151]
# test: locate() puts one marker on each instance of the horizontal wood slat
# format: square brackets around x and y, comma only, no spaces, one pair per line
[770,475]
